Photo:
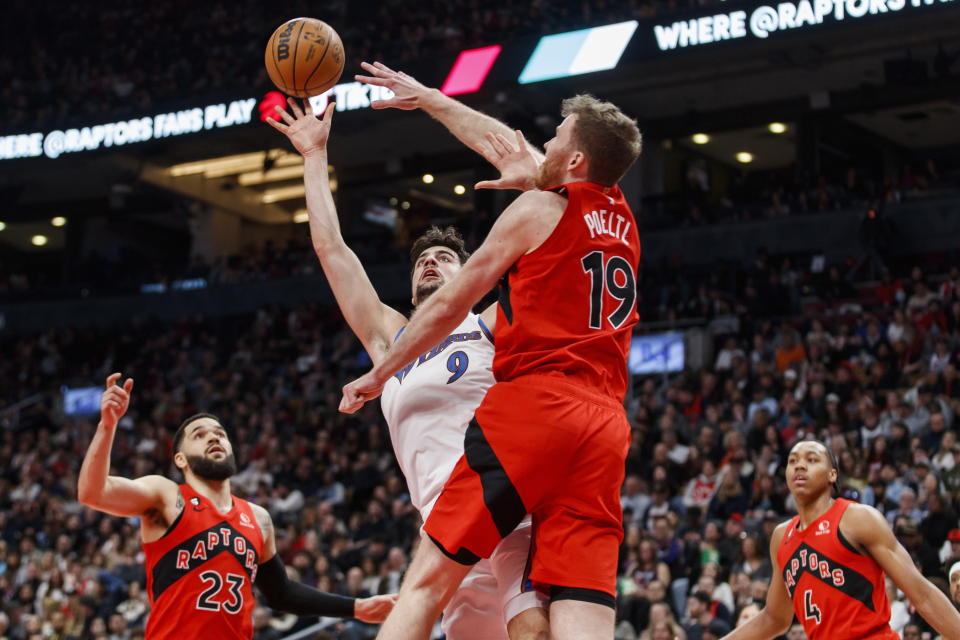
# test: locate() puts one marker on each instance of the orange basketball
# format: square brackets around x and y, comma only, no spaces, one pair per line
[304,57]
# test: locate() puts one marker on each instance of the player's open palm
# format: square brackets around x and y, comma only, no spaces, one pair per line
[375,609]
[115,400]
[517,166]
[307,133]
[406,89]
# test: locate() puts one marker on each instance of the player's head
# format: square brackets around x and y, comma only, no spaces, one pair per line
[201,446]
[596,142]
[955,582]
[436,256]
[811,470]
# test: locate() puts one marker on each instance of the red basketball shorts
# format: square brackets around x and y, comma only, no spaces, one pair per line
[541,445]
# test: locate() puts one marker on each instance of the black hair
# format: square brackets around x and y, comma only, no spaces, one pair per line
[181,430]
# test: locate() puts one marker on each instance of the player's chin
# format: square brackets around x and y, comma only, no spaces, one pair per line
[427,289]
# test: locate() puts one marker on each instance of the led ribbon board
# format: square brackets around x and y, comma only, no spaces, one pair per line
[576,52]
[470,70]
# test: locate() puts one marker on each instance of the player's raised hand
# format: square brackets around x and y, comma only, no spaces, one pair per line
[115,400]
[407,91]
[375,609]
[307,133]
[360,391]
[517,166]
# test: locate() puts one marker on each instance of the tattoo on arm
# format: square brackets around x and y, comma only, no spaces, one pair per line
[179,500]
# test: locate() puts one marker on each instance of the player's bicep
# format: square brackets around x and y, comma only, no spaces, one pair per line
[127,497]
[373,322]
[870,529]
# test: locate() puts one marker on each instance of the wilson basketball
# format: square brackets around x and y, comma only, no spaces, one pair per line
[304,57]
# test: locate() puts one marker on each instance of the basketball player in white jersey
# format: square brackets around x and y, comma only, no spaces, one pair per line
[429,403]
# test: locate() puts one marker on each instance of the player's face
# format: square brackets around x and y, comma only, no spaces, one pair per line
[809,472]
[955,586]
[207,450]
[433,268]
[558,154]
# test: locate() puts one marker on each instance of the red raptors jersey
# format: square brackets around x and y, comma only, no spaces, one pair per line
[568,307]
[200,573]
[838,593]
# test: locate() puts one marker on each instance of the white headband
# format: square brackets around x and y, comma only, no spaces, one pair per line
[954,569]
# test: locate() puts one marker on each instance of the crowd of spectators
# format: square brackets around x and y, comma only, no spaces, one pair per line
[704,483]
[114,57]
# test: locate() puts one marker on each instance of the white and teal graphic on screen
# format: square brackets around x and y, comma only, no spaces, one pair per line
[576,52]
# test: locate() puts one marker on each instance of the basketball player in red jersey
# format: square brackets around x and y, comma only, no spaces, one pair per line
[551,436]
[204,547]
[832,559]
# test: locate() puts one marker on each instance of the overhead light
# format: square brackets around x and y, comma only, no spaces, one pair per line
[58,221]
[404,205]
[233,164]
[273,175]
[459,190]
[700,138]
[428,178]
[777,127]
[301,215]
[3,225]
[394,201]
[38,240]
[744,157]
[283,193]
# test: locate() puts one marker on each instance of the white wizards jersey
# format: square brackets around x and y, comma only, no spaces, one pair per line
[429,403]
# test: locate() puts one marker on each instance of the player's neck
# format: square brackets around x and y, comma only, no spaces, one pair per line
[810,510]
[216,491]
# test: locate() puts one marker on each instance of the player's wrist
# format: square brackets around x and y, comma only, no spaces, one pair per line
[431,100]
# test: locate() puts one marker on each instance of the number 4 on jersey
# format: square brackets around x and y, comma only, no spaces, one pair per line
[810,610]
[616,276]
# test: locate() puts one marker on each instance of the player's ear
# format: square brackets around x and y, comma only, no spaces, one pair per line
[180,460]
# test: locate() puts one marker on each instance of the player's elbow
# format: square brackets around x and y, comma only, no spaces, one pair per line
[87,495]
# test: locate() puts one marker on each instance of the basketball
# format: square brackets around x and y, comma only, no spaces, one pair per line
[304,57]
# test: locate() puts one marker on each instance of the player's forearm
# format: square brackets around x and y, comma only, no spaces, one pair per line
[468,125]
[434,320]
[322,212]
[95,470]
[939,613]
[290,596]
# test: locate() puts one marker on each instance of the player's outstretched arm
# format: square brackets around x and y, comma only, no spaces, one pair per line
[115,495]
[869,528]
[468,125]
[522,227]
[374,323]
[290,596]
[777,614]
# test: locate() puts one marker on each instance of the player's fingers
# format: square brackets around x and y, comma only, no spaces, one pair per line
[295,107]
[382,67]
[111,379]
[394,103]
[494,143]
[276,125]
[521,141]
[128,385]
[308,107]
[506,143]
[283,114]
[380,82]
[328,112]
[487,184]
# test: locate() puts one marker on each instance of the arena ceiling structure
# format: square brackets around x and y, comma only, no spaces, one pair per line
[838,75]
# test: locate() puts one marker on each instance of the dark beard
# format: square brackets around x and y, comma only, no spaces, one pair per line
[427,289]
[208,469]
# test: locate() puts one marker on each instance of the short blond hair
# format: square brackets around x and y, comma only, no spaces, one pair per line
[610,138]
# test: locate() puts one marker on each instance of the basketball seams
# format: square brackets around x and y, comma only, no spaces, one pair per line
[306,83]
[296,48]
[276,62]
